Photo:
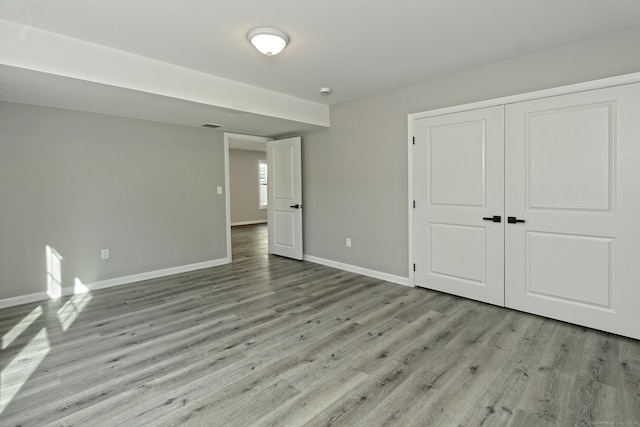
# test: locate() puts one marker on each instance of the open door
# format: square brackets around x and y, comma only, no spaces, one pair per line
[284,210]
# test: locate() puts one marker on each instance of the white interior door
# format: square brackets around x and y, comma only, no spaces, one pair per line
[459,188]
[573,176]
[284,210]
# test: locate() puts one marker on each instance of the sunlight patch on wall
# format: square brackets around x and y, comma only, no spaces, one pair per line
[79,287]
[54,272]
[18,372]
[18,329]
[71,309]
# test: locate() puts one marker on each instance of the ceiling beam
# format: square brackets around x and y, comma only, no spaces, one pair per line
[31,48]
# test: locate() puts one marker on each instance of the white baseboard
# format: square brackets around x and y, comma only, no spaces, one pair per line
[259,221]
[360,270]
[103,284]
[118,281]
[23,299]
[126,280]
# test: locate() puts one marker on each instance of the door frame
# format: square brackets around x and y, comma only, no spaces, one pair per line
[227,187]
[562,90]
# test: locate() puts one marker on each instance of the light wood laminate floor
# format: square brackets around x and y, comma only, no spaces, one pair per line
[270,341]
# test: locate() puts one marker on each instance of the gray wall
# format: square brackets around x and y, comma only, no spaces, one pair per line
[243,180]
[80,182]
[355,173]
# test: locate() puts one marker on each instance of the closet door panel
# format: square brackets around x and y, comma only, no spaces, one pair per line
[570,158]
[572,176]
[458,164]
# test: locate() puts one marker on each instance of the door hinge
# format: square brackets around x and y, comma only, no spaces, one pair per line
[414,140]
[414,267]
[414,204]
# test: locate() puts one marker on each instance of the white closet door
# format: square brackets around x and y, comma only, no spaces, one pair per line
[573,175]
[459,180]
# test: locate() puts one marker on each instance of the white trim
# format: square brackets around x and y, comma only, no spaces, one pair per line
[227,196]
[227,200]
[359,270]
[528,96]
[411,191]
[23,299]
[134,278]
[155,274]
[118,281]
[259,221]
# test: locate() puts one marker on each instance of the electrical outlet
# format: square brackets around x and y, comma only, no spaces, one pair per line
[104,254]
[348,242]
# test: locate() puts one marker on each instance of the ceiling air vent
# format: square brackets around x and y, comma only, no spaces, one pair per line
[211,125]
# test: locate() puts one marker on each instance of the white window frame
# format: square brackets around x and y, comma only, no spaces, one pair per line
[263,198]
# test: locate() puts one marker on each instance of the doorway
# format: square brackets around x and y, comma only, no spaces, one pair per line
[283,200]
[247,149]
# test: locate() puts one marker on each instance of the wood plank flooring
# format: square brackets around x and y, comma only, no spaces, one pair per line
[269,341]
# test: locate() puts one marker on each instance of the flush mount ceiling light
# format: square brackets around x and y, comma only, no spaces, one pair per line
[269,41]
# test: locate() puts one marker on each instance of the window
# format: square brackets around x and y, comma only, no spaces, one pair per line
[262,183]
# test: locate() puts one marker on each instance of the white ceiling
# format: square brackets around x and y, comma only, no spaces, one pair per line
[355,47]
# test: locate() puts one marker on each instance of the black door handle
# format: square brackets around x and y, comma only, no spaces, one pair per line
[513,220]
[495,218]
[296,206]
